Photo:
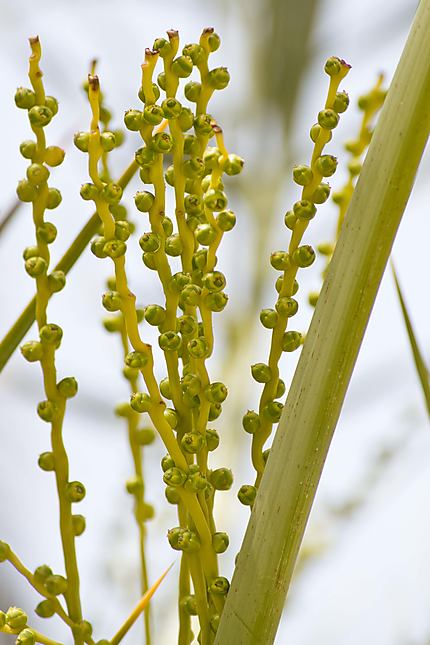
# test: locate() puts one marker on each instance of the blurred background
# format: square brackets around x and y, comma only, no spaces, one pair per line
[364,571]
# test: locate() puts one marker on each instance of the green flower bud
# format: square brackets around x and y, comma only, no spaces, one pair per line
[304,209]
[214,281]
[155,89]
[341,102]
[32,351]
[75,492]
[219,586]
[55,585]
[37,174]
[192,148]
[188,603]
[111,193]
[266,455]
[114,248]
[211,157]
[167,463]
[192,91]
[145,436]
[313,298]
[46,461]
[140,402]
[136,359]
[280,260]
[269,318]
[153,114]
[291,341]
[174,477]
[203,124]
[51,103]
[26,637]
[251,422]
[134,485]
[162,46]
[354,167]
[216,392]
[221,479]
[40,115]
[216,301]
[205,234]
[25,191]
[173,245]
[108,141]
[54,156]
[81,141]
[68,387]
[35,266]
[172,417]
[215,411]
[186,325]
[111,301]
[122,230]
[171,108]
[215,200]
[173,535]
[78,524]
[193,205]
[119,213]
[247,494]
[170,341]
[83,630]
[226,220]
[321,194]
[30,252]
[233,165]
[172,495]
[130,373]
[150,242]
[303,256]
[195,52]
[145,156]
[328,119]
[212,439]
[123,410]
[24,98]
[302,175]
[333,66]
[192,442]
[190,295]
[220,542]
[145,174]
[167,225]
[182,66]
[196,482]
[162,142]
[28,149]
[47,233]
[53,199]
[280,389]
[188,541]
[199,347]
[179,281]
[287,306]
[88,192]
[133,120]
[51,334]
[261,372]
[165,388]
[42,573]
[290,220]
[144,201]
[155,315]
[16,618]
[219,78]
[326,165]
[193,168]
[4,551]
[46,608]
[186,119]
[273,410]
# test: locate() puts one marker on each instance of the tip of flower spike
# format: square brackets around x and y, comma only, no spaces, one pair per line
[33,40]
[216,128]
[208,30]
[172,33]
[150,52]
[93,82]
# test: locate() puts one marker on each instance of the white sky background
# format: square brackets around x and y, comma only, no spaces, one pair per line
[370,584]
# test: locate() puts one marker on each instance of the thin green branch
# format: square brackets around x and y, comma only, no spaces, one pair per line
[279,516]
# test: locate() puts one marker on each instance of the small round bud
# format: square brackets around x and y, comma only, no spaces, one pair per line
[189,604]
[215,200]
[54,156]
[213,40]
[187,325]
[75,492]
[144,201]
[134,485]
[42,573]
[219,586]
[171,108]
[302,175]
[25,191]
[170,341]
[81,141]
[261,372]
[88,192]
[55,585]
[220,542]
[291,341]
[153,114]
[53,199]
[192,91]
[216,301]
[173,245]
[145,436]
[68,387]
[303,256]
[111,301]
[36,266]
[47,232]
[193,205]
[313,298]
[280,260]
[155,89]
[182,66]
[216,392]
[247,494]
[150,242]
[193,168]
[269,318]
[133,120]
[185,119]
[304,209]
[111,193]
[108,141]
[46,608]
[341,102]
[333,66]
[287,306]
[328,119]
[114,248]
[214,281]
[4,551]
[233,165]
[167,225]
[28,149]
[145,156]
[251,422]
[172,495]
[162,142]
[172,417]
[26,637]
[212,439]
[37,174]
[40,115]
[221,479]
[51,334]
[195,52]
[51,103]
[140,402]
[78,524]
[214,411]
[354,167]
[203,124]
[190,295]
[179,281]
[280,389]
[321,194]
[82,631]
[219,78]
[46,410]
[25,98]
[165,388]
[226,220]
[174,477]
[122,230]
[32,351]
[199,347]
[155,315]
[46,461]
[167,463]
[136,359]
[273,410]
[192,442]
[326,165]
[205,234]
